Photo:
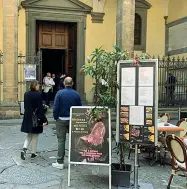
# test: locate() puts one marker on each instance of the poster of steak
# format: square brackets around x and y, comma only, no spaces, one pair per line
[89,137]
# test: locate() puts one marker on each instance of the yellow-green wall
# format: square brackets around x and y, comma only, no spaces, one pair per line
[21,32]
[155,42]
[100,34]
[21,29]
[1,25]
[177,9]
[104,34]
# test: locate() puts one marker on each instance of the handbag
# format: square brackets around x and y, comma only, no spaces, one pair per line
[35,119]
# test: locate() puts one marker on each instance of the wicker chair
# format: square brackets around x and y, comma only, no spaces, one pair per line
[183,124]
[178,152]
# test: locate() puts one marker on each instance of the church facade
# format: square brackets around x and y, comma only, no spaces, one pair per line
[57,35]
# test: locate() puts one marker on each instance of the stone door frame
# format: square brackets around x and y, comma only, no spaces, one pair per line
[61,15]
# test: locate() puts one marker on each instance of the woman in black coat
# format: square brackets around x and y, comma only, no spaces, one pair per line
[32,103]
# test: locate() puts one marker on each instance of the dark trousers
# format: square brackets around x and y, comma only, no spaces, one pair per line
[62,127]
[46,98]
[170,96]
[54,93]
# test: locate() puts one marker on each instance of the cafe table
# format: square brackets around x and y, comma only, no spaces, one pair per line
[169,129]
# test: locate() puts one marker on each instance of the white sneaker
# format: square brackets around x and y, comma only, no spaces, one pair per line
[58,165]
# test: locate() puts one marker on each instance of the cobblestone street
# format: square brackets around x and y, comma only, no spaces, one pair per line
[39,174]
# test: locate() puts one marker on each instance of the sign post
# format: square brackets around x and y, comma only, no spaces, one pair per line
[137,110]
[89,138]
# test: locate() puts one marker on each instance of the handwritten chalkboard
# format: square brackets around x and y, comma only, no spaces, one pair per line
[90,138]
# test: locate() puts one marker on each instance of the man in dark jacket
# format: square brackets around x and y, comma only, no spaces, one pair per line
[64,100]
[170,88]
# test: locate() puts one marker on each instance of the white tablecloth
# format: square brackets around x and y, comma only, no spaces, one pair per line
[170,125]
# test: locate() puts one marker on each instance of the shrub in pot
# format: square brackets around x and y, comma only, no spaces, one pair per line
[101,66]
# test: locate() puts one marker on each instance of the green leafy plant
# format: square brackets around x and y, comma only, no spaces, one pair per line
[102,67]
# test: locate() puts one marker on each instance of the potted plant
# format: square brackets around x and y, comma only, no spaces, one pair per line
[102,67]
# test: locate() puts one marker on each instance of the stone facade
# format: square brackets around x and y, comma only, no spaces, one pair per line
[95,29]
[125,25]
[9,106]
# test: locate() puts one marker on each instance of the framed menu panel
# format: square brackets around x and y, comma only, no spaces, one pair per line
[137,109]
[90,140]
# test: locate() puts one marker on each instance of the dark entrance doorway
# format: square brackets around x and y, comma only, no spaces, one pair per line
[58,42]
[53,61]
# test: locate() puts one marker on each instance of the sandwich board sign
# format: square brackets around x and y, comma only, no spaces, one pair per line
[137,110]
[89,138]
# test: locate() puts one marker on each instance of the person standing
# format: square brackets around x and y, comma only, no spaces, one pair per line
[170,88]
[48,84]
[64,100]
[56,86]
[32,103]
[62,77]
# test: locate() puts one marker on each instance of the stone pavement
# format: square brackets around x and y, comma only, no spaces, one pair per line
[39,174]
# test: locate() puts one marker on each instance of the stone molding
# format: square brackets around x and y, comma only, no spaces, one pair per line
[97,17]
[142,4]
[69,5]
[98,11]
[167,34]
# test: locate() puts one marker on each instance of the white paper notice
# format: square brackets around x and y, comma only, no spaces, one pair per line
[146,76]
[128,96]
[145,96]
[136,116]
[128,77]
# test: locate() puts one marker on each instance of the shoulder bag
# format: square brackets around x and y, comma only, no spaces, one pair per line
[35,120]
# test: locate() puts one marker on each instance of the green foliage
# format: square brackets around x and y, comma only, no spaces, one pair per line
[144,56]
[102,67]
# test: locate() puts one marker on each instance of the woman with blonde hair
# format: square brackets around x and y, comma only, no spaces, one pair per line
[33,109]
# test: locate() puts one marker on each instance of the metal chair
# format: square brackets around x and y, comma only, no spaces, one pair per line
[178,152]
[183,124]
[164,118]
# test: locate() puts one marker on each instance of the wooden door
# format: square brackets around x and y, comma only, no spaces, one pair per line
[52,35]
[71,53]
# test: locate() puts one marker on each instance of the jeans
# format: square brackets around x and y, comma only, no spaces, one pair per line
[33,139]
[62,127]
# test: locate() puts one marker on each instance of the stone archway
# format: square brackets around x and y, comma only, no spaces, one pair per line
[72,11]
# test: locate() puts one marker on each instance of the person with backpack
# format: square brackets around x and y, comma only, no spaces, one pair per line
[34,119]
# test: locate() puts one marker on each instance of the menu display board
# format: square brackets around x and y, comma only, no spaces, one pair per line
[89,138]
[137,108]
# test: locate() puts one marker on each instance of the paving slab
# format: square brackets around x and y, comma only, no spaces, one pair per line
[35,174]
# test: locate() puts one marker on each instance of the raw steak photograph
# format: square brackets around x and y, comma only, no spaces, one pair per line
[92,146]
